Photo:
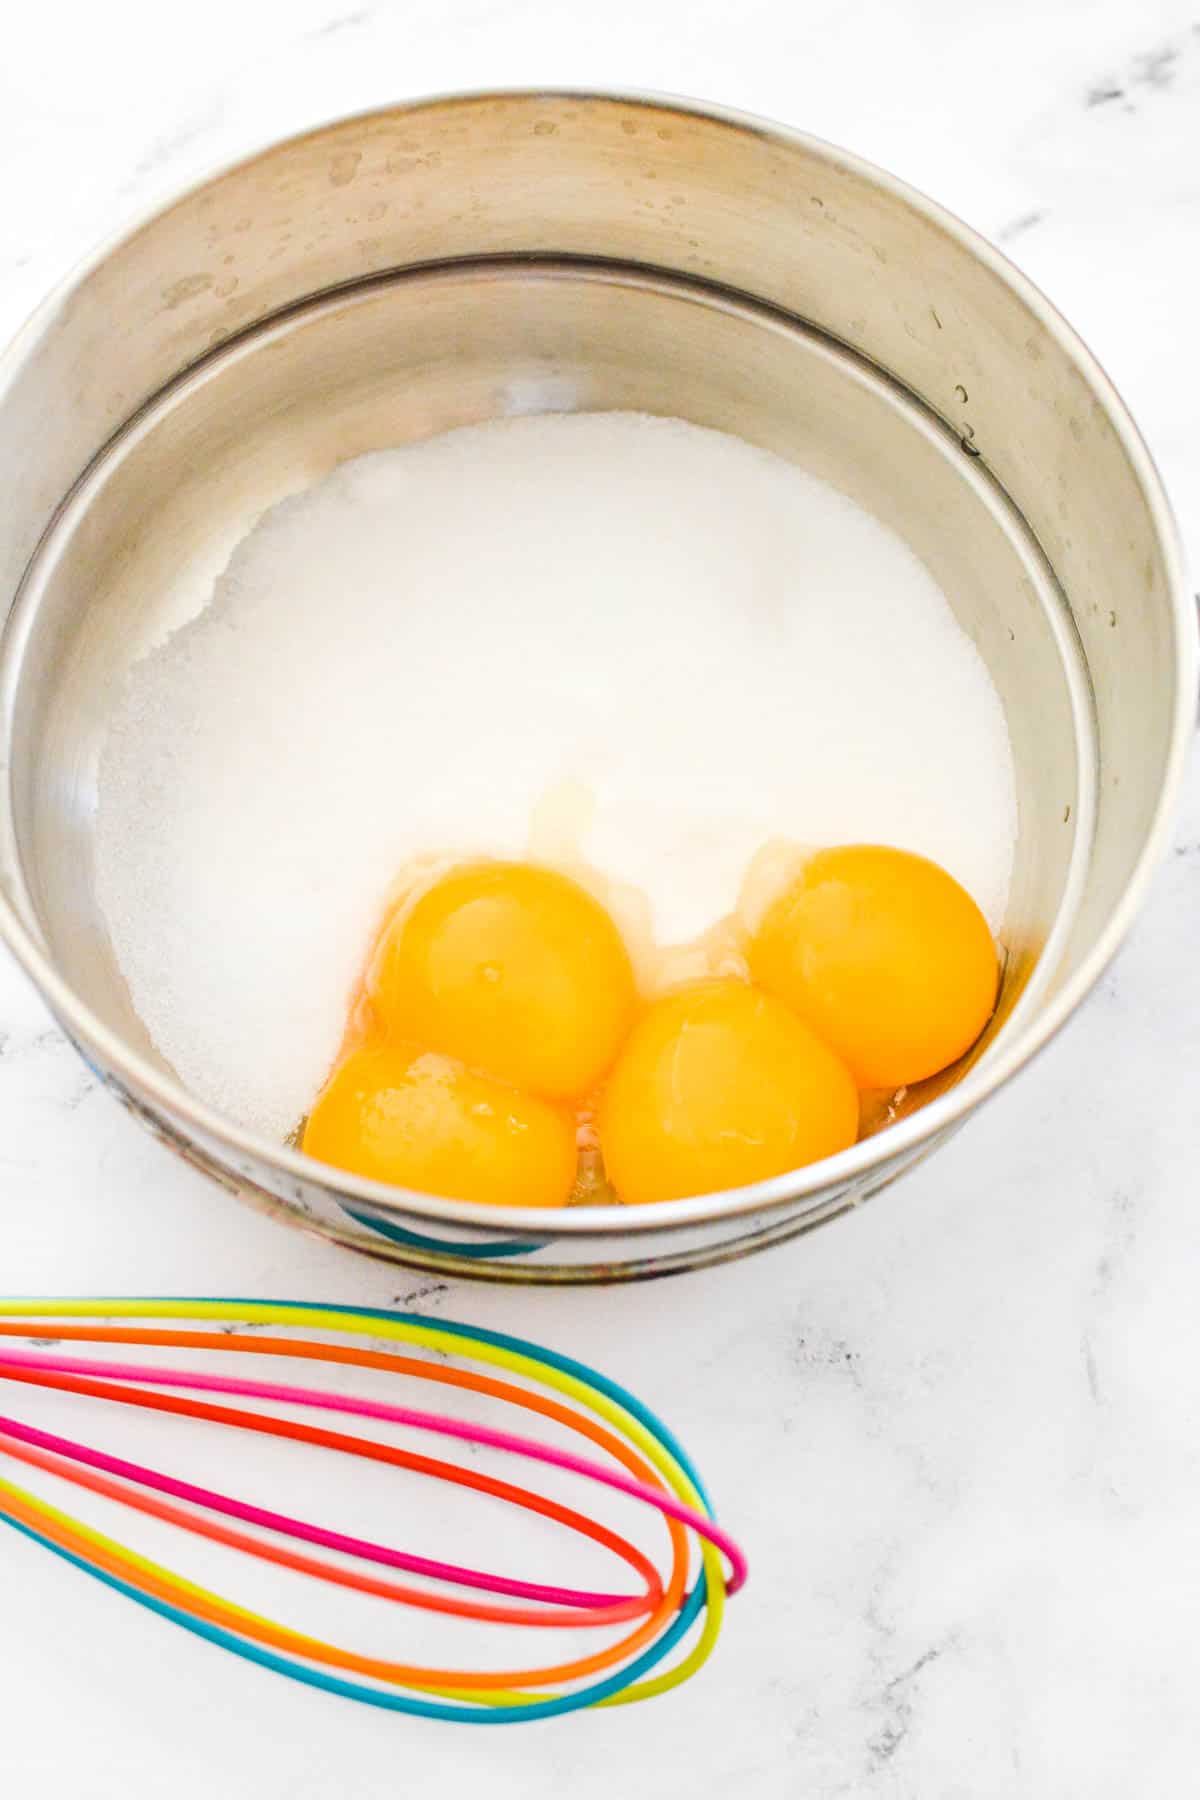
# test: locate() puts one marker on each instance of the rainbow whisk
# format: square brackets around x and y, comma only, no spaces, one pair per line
[660,1628]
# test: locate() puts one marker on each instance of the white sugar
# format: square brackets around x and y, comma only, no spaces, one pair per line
[410,657]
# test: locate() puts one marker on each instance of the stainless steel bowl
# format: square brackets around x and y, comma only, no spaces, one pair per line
[445,262]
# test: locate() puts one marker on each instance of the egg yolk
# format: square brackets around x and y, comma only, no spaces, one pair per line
[719,1085]
[406,1115]
[511,969]
[886,957]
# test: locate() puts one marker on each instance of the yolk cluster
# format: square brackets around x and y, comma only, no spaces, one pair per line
[502,1003]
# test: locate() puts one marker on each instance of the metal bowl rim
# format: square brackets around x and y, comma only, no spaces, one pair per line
[154,1089]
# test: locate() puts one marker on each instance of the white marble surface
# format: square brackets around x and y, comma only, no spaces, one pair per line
[959,1432]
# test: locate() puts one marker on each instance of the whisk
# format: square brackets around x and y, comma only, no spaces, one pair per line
[641,1459]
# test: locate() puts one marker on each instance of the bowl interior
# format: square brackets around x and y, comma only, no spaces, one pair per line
[134,551]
